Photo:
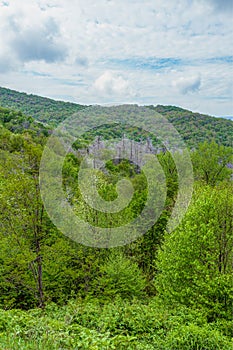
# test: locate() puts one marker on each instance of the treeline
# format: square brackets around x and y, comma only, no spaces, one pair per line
[40,108]
[162,291]
[195,128]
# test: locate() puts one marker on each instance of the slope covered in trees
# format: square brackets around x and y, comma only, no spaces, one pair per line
[196,128]
[193,127]
[40,108]
[162,291]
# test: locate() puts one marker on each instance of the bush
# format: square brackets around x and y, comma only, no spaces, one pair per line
[192,337]
[120,276]
[119,325]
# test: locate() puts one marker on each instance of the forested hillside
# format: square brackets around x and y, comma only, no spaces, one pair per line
[193,127]
[196,127]
[165,290]
[42,109]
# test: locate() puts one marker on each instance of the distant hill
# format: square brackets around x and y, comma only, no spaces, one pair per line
[196,127]
[193,127]
[42,109]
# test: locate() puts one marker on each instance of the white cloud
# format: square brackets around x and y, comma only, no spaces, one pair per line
[188,84]
[110,84]
[97,51]
[35,44]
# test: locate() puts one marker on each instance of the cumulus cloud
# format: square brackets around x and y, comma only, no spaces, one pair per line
[34,44]
[130,51]
[29,34]
[188,84]
[110,83]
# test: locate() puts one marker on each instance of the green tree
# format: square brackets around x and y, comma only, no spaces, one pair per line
[195,262]
[22,211]
[120,276]
[210,162]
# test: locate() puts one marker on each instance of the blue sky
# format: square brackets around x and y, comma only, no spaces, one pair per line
[125,51]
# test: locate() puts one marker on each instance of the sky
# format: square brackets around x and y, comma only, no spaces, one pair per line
[123,51]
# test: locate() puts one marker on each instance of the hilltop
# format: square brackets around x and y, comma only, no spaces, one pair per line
[193,127]
[43,109]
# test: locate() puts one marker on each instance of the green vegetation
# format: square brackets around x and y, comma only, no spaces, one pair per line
[115,325]
[167,291]
[195,263]
[195,128]
[42,109]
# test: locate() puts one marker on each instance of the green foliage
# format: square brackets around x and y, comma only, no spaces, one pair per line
[162,291]
[192,337]
[195,262]
[197,128]
[211,161]
[42,109]
[16,122]
[120,276]
[113,325]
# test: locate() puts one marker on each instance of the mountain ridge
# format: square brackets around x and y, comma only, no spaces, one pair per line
[194,127]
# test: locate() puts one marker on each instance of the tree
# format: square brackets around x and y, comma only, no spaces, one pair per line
[195,262]
[22,212]
[120,276]
[211,161]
